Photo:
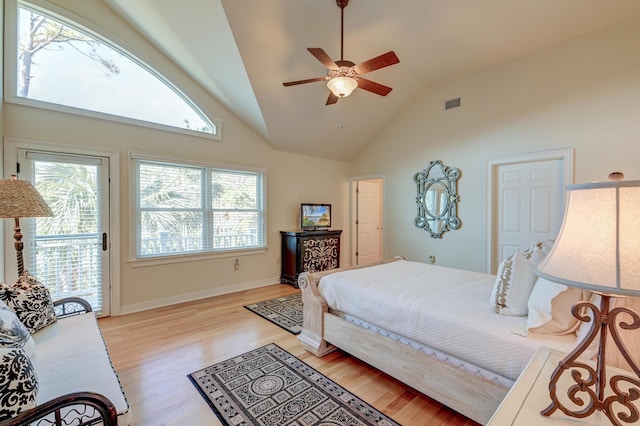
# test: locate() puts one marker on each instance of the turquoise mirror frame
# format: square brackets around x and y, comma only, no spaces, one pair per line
[437,199]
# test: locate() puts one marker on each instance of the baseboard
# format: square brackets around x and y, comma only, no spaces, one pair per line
[168,301]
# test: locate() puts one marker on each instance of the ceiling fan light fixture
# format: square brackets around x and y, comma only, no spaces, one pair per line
[343,76]
[342,86]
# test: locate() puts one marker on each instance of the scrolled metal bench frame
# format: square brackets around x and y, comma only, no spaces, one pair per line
[70,306]
[78,408]
[53,412]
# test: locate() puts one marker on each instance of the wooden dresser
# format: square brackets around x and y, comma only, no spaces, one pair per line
[308,251]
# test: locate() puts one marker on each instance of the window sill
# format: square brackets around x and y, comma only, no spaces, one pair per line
[34,103]
[181,258]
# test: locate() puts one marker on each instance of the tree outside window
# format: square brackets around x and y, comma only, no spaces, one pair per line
[59,64]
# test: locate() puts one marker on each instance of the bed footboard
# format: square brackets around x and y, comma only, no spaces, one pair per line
[312,334]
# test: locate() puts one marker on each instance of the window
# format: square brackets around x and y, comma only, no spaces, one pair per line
[61,65]
[190,209]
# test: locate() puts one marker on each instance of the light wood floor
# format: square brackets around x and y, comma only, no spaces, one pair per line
[153,351]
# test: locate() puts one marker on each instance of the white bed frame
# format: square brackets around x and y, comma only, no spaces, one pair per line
[323,332]
[469,394]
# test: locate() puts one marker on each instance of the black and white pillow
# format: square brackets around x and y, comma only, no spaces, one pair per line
[18,383]
[30,300]
[13,334]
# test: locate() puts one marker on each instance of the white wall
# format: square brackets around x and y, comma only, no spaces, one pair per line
[291,179]
[583,94]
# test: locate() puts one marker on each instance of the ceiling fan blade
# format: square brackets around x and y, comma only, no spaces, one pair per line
[332,99]
[376,63]
[373,87]
[309,80]
[322,56]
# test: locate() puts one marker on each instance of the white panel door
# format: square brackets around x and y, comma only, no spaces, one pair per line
[530,204]
[369,221]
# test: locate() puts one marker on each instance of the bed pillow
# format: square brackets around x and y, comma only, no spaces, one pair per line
[538,251]
[513,285]
[18,383]
[550,306]
[13,334]
[30,300]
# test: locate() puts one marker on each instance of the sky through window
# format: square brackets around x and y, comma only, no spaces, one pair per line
[76,70]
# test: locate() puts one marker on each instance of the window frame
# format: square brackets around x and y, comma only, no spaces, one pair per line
[134,160]
[107,38]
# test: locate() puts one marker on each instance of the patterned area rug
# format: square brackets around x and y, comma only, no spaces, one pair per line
[285,312]
[270,387]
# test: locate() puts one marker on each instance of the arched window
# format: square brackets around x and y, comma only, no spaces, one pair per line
[62,65]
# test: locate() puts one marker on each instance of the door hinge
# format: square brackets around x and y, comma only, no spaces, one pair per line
[17,168]
[104,241]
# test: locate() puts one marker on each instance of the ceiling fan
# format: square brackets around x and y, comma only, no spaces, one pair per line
[344,76]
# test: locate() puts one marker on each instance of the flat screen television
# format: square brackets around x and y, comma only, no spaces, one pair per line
[315,216]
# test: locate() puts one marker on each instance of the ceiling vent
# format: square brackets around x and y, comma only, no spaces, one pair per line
[452,103]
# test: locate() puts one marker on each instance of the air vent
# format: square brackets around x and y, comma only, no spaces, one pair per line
[452,103]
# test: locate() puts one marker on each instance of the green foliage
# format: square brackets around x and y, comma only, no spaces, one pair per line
[69,190]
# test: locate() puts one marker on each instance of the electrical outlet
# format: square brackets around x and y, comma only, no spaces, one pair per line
[236,265]
[277,261]
[432,259]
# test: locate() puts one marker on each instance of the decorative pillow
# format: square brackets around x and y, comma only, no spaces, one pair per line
[18,383]
[538,251]
[514,281]
[30,300]
[13,334]
[550,307]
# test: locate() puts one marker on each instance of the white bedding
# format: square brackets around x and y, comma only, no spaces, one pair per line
[444,308]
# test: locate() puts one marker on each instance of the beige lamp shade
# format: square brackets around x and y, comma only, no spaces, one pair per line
[19,198]
[598,247]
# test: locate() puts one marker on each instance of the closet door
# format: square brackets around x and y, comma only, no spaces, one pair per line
[530,204]
[369,221]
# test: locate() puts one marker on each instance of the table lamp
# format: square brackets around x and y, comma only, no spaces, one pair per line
[598,249]
[19,198]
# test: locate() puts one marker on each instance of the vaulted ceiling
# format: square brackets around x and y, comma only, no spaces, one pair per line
[241,51]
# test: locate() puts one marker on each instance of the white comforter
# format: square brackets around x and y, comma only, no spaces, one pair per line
[444,308]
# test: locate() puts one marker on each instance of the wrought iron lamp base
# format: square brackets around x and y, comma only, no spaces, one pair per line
[589,384]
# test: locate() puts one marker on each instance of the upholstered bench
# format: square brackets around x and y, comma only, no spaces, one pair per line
[76,380]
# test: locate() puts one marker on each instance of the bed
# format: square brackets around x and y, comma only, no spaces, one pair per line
[429,326]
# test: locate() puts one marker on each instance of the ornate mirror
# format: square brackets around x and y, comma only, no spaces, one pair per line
[437,199]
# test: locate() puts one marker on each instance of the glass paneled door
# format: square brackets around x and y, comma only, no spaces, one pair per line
[69,252]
